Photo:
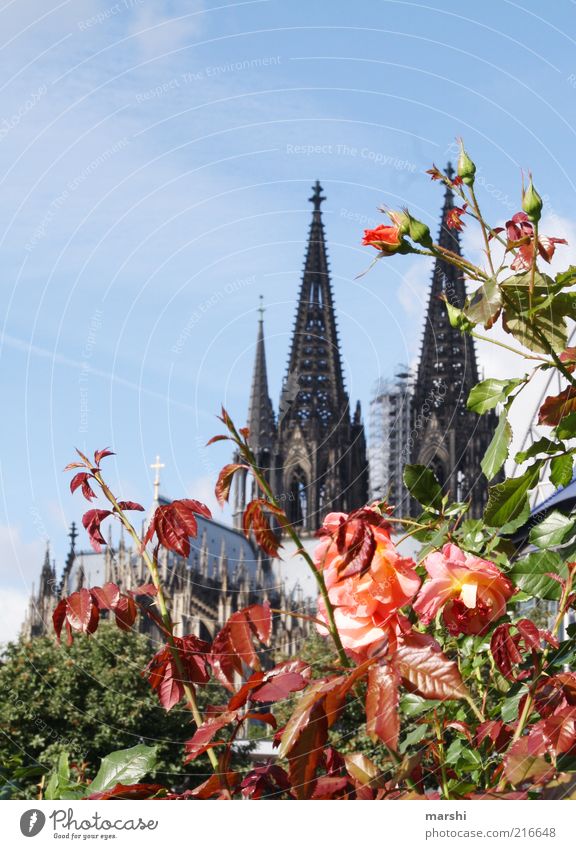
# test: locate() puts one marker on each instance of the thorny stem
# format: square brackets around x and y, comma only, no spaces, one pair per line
[164,612]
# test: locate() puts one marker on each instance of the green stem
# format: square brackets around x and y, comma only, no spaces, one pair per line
[441,757]
[509,348]
[164,612]
[483,227]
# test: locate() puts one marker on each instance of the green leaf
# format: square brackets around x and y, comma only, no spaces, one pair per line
[541,446]
[59,785]
[126,766]
[509,709]
[456,317]
[497,451]
[567,427]
[421,483]
[567,278]
[508,501]
[413,737]
[412,705]
[561,470]
[534,318]
[529,574]
[485,395]
[552,530]
[484,305]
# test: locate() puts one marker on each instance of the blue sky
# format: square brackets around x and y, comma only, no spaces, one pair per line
[155,161]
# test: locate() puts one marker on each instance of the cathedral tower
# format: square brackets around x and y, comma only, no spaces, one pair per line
[446,436]
[315,453]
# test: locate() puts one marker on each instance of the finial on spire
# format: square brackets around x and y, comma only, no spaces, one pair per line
[261,308]
[450,170]
[317,196]
[157,465]
[72,536]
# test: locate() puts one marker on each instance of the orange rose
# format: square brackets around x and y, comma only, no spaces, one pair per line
[365,605]
[384,238]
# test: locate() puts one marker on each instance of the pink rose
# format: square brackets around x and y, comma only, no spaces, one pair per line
[472,591]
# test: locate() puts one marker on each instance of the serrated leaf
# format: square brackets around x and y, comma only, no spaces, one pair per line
[126,766]
[541,446]
[508,501]
[497,452]
[557,407]
[422,484]
[484,305]
[530,574]
[487,394]
[427,671]
[551,531]
[561,469]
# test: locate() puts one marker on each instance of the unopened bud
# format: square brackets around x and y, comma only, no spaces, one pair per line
[401,220]
[532,203]
[419,232]
[466,168]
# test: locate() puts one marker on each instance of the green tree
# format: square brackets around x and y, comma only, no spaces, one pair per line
[87,700]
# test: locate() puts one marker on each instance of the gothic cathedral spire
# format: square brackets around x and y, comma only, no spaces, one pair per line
[446,436]
[261,421]
[314,456]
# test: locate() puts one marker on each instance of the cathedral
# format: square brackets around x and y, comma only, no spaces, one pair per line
[314,455]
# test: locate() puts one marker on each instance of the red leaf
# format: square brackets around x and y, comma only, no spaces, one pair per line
[426,671]
[106,597]
[175,523]
[194,654]
[74,466]
[555,407]
[91,521]
[525,761]
[81,479]
[130,505]
[129,791]
[81,612]
[382,717]
[268,780]
[307,750]
[144,589]
[530,633]
[559,729]
[218,438]
[125,613]
[224,482]
[281,681]
[504,650]
[254,520]
[331,787]
[59,617]
[233,645]
[99,455]
[204,735]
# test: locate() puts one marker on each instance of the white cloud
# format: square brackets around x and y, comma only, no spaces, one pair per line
[159,32]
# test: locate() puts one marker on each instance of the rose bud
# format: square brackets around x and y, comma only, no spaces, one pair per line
[466,168]
[532,203]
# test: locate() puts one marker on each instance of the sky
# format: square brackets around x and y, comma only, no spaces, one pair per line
[155,163]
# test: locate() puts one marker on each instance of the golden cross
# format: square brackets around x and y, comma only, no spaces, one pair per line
[157,465]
